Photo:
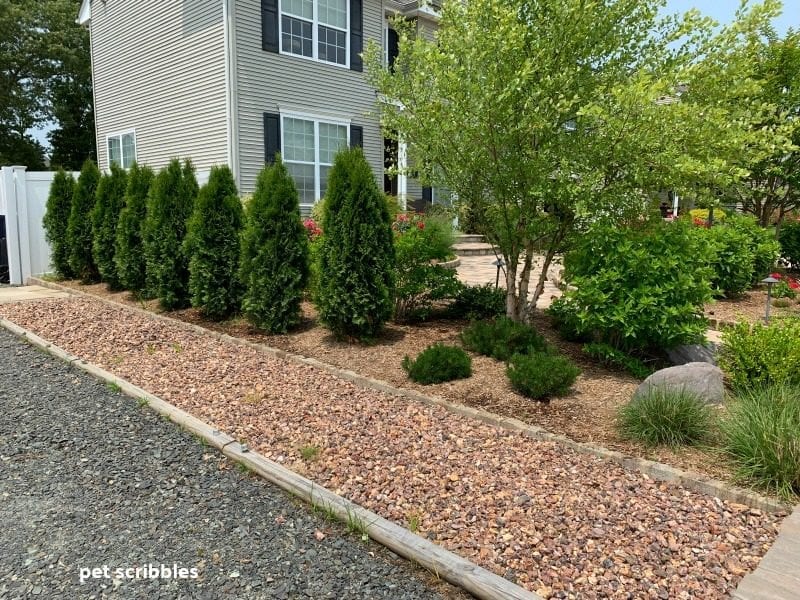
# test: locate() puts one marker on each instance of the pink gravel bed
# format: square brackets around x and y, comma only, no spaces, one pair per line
[559,523]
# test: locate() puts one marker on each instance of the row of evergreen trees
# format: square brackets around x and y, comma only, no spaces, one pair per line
[161,237]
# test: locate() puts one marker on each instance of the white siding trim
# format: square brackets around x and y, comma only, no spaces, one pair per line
[231,101]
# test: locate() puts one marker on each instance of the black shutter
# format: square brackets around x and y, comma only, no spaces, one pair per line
[356,136]
[427,194]
[393,47]
[272,136]
[269,25]
[356,35]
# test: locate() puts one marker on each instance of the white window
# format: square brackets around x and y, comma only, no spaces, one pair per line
[122,149]
[308,149]
[316,29]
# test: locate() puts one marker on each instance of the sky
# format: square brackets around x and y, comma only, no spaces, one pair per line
[723,11]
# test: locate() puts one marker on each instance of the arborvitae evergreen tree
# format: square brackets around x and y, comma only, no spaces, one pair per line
[109,200]
[274,267]
[129,249]
[79,226]
[56,218]
[213,246]
[356,262]
[169,206]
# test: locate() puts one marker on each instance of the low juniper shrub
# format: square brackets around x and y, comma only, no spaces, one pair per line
[540,375]
[666,417]
[438,363]
[476,302]
[502,338]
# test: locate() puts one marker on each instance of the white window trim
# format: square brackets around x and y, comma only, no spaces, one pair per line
[119,135]
[316,119]
[315,23]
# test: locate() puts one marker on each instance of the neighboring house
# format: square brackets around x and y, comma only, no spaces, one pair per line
[236,81]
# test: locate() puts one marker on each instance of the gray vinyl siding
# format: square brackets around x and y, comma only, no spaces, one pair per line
[159,69]
[270,82]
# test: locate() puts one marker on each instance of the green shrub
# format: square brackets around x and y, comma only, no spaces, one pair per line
[213,246]
[129,247]
[438,363]
[79,226]
[761,434]
[169,206]
[274,267]
[782,289]
[609,355]
[766,249]
[109,200]
[638,289]
[56,218]
[789,239]
[356,262]
[734,259]
[502,338]
[759,355]
[540,375]
[666,417]
[418,282]
[478,302]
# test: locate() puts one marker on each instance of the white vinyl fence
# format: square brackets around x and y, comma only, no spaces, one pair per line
[23,198]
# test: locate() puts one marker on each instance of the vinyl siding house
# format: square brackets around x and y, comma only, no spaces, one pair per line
[236,81]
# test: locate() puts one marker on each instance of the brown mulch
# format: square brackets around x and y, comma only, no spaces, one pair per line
[750,307]
[559,523]
[586,414]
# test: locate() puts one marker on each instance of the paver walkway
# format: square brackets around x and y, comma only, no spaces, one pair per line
[9,294]
[778,574]
[479,270]
[88,479]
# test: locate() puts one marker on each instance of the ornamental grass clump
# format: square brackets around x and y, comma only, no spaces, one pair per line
[213,246]
[502,338]
[79,226]
[129,246]
[109,200]
[56,217]
[540,375]
[355,294]
[169,205]
[438,363]
[274,259]
[666,417]
[761,435]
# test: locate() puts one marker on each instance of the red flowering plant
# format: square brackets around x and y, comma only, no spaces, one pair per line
[313,230]
[787,287]
[421,243]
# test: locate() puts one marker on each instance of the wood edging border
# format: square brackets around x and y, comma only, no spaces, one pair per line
[476,580]
[659,471]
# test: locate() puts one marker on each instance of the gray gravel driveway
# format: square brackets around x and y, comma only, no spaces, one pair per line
[89,480]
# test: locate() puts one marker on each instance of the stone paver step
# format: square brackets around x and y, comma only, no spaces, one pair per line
[469,238]
[473,249]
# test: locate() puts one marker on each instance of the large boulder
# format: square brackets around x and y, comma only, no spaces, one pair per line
[699,378]
[706,353]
